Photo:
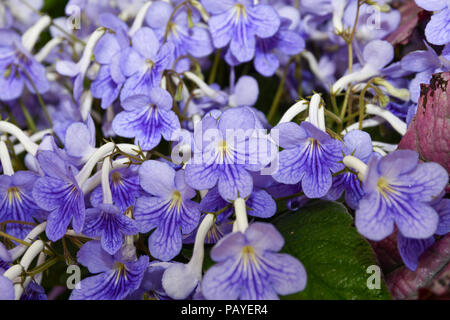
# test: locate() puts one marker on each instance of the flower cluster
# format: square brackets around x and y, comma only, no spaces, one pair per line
[140,133]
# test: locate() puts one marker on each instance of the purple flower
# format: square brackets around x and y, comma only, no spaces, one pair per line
[226,150]
[194,41]
[33,292]
[146,118]
[425,63]
[18,68]
[359,144]
[397,191]
[238,23]
[310,156]
[437,30]
[125,189]
[250,268]
[109,223]
[58,192]
[107,52]
[143,63]
[270,51]
[6,289]
[259,204]
[5,258]
[79,140]
[170,210]
[17,203]
[411,249]
[116,278]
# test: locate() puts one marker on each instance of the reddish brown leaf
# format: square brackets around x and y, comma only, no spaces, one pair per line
[411,15]
[429,132]
[405,284]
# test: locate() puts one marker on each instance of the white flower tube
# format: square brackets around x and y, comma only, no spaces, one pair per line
[107,195]
[367,123]
[96,179]
[5,160]
[20,249]
[356,164]
[241,214]
[180,280]
[363,74]
[27,258]
[140,17]
[399,125]
[30,37]
[294,110]
[86,104]
[317,112]
[47,49]
[29,145]
[207,90]
[101,152]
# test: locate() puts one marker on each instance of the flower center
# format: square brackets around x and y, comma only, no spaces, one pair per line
[14,194]
[121,271]
[384,188]
[223,149]
[176,200]
[150,64]
[249,255]
[116,178]
[240,10]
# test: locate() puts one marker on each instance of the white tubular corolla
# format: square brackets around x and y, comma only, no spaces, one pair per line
[313,64]
[47,49]
[363,74]
[293,111]
[317,112]
[198,254]
[180,280]
[20,249]
[96,179]
[140,17]
[5,160]
[29,145]
[338,14]
[85,60]
[241,214]
[30,37]
[395,122]
[372,122]
[213,94]
[107,195]
[385,146]
[357,165]
[101,152]
[86,105]
[19,148]
[27,258]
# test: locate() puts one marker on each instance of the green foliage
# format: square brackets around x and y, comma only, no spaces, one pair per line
[335,255]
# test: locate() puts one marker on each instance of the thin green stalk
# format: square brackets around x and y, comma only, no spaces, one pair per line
[212,75]
[28,118]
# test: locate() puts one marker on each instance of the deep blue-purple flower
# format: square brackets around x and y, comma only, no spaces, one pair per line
[116,277]
[310,156]
[110,224]
[58,192]
[17,203]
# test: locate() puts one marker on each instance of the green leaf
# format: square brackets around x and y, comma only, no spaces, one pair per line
[336,257]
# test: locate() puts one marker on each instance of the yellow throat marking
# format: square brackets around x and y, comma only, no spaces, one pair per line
[176,200]
[240,10]
[14,193]
[249,255]
[384,187]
